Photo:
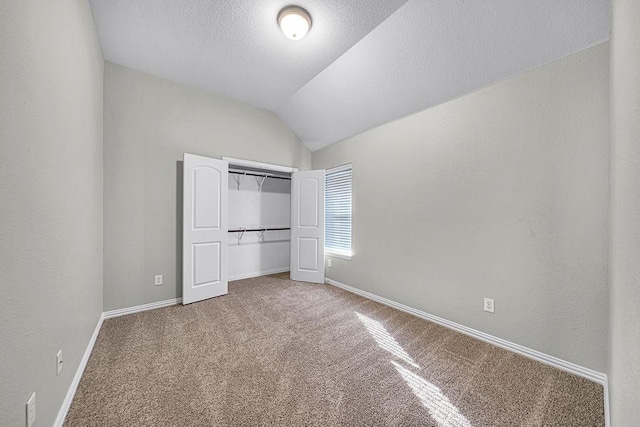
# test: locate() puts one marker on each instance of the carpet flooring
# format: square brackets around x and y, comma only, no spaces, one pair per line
[279,352]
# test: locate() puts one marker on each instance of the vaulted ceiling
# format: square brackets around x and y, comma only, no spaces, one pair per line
[362,64]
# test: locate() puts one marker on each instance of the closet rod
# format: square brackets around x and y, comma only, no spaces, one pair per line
[238,230]
[267,175]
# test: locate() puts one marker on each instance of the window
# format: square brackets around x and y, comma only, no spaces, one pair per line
[337,240]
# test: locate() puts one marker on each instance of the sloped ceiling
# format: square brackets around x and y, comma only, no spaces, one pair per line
[364,63]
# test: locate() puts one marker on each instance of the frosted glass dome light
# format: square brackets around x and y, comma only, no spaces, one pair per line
[294,22]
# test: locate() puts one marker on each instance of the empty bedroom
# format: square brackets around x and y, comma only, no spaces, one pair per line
[320,213]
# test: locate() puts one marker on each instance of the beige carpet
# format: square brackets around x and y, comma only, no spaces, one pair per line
[278,352]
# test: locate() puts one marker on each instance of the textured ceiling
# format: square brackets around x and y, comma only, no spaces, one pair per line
[232,47]
[429,52]
[363,64]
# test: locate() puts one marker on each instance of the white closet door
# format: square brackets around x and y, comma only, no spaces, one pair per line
[307,226]
[205,228]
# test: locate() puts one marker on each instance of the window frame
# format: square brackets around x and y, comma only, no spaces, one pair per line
[332,252]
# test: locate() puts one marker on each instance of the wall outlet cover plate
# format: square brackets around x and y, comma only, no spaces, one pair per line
[489,305]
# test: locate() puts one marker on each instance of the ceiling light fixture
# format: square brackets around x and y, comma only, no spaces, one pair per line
[294,22]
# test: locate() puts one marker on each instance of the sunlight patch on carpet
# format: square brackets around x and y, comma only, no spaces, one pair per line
[440,407]
[385,340]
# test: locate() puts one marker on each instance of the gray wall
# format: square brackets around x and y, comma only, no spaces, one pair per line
[502,193]
[624,336]
[51,71]
[148,124]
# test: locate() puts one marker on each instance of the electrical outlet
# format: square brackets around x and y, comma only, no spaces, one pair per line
[31,410]
[158,279]
[329,262]
[59,363]
[489,305]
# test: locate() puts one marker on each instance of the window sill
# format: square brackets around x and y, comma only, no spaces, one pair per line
[338,255]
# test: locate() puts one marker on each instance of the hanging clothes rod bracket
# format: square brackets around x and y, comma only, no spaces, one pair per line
[261,181]
[239,178]
[240,234]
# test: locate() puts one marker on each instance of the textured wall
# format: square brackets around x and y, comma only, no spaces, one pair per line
[149,123]
[502,193]
[51,85]
[624,356]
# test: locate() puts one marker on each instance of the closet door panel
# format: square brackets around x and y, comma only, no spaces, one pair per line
[308,203]
[205,228]
[307,226]
[308,254]
[206,198]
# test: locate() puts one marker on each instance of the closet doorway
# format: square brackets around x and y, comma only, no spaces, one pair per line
[244,219]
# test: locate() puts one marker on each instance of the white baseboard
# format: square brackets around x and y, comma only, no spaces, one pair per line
[139,308]
[258,274]
[66,403]
[563,365]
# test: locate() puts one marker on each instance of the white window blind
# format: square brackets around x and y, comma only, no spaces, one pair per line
[338,211]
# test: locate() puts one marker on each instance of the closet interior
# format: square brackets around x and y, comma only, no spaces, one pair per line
[259,209]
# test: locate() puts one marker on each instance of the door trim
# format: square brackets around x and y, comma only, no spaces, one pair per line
[259,165]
